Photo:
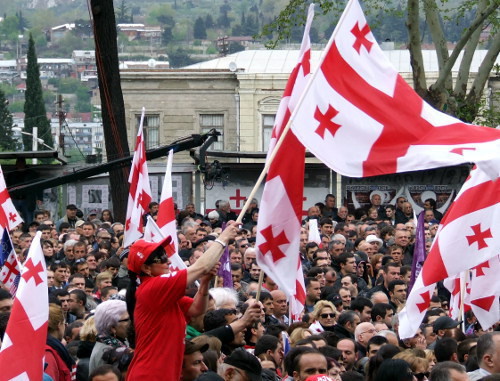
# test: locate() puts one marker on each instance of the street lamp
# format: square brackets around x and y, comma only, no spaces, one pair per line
[36,140]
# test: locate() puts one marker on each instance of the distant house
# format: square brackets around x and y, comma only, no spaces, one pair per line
[140,31]
[58,32]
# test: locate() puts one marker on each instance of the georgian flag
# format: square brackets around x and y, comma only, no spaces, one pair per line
[9,217]
[23,346]
[361,118]
[278,228]
[140,191]
[10,268]
[467,237]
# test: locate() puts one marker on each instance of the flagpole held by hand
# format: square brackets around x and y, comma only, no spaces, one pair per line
[259,289]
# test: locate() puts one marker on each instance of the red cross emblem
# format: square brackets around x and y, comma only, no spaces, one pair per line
[426,296]
[33,272]
[484,303]
[479,268]
[4,196]
[460,150]
[479,236]
[272,243]
[361,39]
[400,132]
[325,121]
[12,270]
[238,198]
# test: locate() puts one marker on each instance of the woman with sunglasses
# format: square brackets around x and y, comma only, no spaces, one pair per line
[159,307]
[325,317]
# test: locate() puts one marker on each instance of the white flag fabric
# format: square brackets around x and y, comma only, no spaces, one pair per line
[140,190]
[166,212]
[361,118]
[467,236]
[278,227]
[9,217]
[23,346]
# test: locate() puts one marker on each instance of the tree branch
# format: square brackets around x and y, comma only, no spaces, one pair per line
[481,16]
[415,48]
[437,34]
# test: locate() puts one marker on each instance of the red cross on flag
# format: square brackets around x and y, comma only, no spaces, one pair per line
[278,227]
[23,346]
[467,237]
[484,291]
[361,118]
[10,269]
[9,217]
[140,191]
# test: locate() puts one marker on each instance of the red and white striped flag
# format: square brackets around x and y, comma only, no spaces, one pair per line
[166,212]
[23,346]
[9,217]
[278,228]
[467,237]
[140,190]
[361,118]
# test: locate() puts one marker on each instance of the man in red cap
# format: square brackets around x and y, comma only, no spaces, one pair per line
[159,307]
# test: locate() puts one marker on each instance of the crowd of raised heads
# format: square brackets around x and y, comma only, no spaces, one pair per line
[120,313]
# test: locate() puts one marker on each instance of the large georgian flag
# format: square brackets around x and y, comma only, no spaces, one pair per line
[140,191]
[467,237]
[10,269]
[278,228]
[23,346]
[361,118]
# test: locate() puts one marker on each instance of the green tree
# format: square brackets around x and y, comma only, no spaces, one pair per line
[122,16]
[455,98]
[7,143]
[34,106]
[200,31]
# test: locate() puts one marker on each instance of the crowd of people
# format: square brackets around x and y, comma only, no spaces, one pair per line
[120,313]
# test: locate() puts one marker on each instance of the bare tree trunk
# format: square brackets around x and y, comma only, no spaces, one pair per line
[415,48]
[113,109]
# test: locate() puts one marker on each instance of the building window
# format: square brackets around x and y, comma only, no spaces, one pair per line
[267,129]
[151,130]
[213,121]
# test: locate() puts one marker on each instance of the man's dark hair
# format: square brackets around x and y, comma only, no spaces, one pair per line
[346,317]
[264,295]
[217,318]
[325,220]
[114,261]
[310,245]
[352,375]
[376,340]
[4,294]
[60,292]
[386,266]
[63,225]
[296,359]
[464,347]
[307,281]
[4,320]
[380,309]
[360,303]
[75,275]
[105,291]
[57,265]
[441,371]
[315,271]
[80,295]
[354,278]
[103,370]
[330,351]
[275,329]
[265,343]
[445,348]
[236,267]
[339,227]
[342,258]
[43,227]
[394,283]
[432,202]
[293,354]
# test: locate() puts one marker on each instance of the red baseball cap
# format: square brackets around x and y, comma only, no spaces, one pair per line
[319,377]
[141,250]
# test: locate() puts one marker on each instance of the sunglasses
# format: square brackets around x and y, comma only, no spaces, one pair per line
[161,259]
[324,316]
[421,376]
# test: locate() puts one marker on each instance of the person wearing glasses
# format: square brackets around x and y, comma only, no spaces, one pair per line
[324,315]
[362,334]
[159,307]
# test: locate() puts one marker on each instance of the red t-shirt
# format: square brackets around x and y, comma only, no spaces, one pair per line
[160,318]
